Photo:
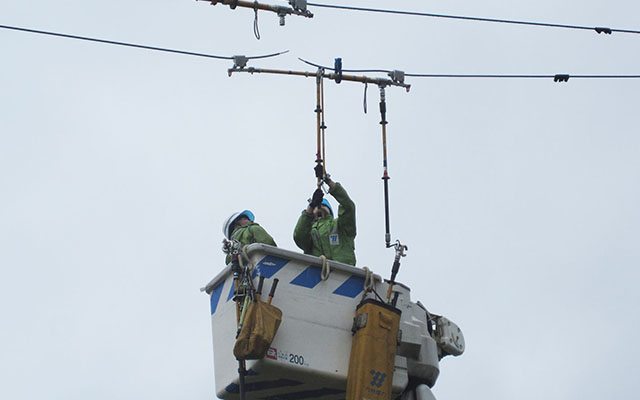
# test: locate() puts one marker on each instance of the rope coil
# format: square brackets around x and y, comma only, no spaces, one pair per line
[326,270]
[368,280]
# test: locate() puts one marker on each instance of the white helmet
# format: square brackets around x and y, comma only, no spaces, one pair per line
[229,222]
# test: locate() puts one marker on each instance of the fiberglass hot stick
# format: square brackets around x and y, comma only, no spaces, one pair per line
[385,174]
[323,127]
[318,111]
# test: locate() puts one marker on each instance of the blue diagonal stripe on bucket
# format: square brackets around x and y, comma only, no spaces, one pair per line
[308,278]
[215,297]
[268,266]
[351,287]
[232,290]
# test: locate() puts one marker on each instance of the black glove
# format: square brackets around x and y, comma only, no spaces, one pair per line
[316,200]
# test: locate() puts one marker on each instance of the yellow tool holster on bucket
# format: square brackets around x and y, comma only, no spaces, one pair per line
[373,351]
[260,325]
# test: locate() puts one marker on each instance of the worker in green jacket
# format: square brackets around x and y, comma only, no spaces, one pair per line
[319,233]
[240,226]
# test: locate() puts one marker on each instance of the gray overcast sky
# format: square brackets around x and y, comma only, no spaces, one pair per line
[517,198]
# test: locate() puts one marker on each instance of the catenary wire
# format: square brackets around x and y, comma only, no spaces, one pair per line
[497,76]
[478,19]
[139,46]
[522,76]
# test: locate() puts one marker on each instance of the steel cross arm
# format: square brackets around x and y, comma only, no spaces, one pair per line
[332,76]
[280,10]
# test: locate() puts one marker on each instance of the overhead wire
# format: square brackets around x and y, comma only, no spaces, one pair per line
[507,76]
[556,77]
[139,46]
[598,29]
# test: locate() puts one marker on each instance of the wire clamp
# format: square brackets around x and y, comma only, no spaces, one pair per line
[397,76]
[319,74]
[300,8]
[561,78]
[240,62]
[299,5]
[600,29]
[400,249]
[338,69]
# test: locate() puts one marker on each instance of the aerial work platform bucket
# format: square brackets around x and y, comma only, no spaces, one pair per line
[309,356]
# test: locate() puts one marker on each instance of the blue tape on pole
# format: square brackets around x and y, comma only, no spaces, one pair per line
[309,278]
[351,287]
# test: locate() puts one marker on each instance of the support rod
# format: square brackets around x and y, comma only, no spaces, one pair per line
[351,78]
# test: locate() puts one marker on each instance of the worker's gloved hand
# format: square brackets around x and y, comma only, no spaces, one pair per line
[226,246]
[316,200]
[319,170]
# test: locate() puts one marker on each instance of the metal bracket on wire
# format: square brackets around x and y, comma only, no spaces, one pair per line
[397,76]
[240,61]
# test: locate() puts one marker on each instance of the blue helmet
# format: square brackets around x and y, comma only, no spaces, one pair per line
[325,202]
[226,227]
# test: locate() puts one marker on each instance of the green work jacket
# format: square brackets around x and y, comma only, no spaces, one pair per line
[252,233]
[331,237]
